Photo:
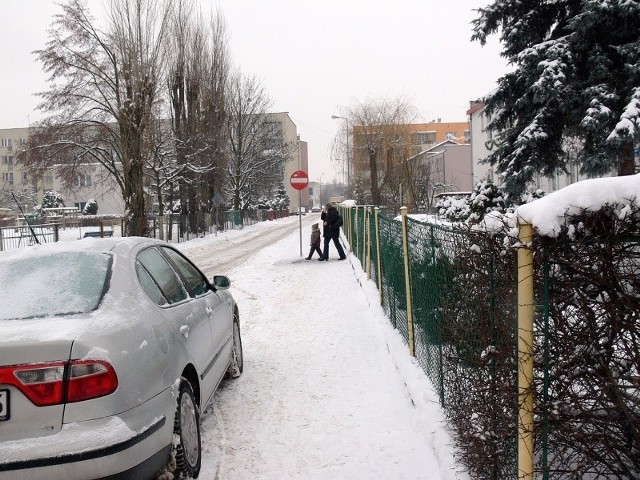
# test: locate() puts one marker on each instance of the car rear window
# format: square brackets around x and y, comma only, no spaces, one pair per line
[51,285]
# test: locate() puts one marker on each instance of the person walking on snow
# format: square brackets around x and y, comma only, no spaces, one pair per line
[332,221]
[315,241]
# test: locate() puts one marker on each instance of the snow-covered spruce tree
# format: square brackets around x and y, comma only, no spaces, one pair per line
[486,197]
[576,75]
[530,196]
[281,199]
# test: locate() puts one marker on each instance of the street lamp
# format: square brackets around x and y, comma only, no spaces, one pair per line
[335,117]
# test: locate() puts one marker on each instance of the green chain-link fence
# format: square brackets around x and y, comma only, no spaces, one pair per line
[464,327]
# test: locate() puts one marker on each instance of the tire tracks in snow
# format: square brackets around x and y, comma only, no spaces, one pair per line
[221,257]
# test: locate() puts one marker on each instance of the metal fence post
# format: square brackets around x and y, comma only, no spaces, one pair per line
[407,282]
[378,256]
[350,236]
[367,243]
[526,310]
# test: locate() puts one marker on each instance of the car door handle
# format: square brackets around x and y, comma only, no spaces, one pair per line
[210,311]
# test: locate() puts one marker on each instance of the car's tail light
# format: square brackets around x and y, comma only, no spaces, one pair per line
[42,384]
[90,379]
[61,382]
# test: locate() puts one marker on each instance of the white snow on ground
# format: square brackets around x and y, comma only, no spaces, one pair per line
[329,390]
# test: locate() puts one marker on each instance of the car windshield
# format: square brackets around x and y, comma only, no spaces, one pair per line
[51,285]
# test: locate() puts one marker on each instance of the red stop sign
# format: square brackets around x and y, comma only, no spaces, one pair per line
[299,179]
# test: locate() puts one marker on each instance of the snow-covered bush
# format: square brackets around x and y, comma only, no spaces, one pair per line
[50,199]
[454,209]
[91,207]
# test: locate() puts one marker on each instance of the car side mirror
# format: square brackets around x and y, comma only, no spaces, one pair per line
[221,281]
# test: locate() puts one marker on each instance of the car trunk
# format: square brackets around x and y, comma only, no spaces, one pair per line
[43,341]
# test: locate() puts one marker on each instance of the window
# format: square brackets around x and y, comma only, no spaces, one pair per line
[83,180]
[83,279]
[194,280]
[80,205]
[149,286]
[7,159]
[5,142]
[7,178]
[423,138]
[25,177]
[164,277]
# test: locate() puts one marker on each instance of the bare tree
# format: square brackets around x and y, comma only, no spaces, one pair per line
[256,156]
[196,80]
[103,87]
[380,139]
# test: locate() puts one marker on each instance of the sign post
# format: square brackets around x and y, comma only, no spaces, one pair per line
[299,180]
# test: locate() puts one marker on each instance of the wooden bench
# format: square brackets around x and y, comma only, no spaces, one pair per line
[106,233]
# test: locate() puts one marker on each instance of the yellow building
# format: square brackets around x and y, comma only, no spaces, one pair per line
[397,143]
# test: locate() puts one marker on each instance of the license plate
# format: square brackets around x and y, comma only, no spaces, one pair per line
[4,405]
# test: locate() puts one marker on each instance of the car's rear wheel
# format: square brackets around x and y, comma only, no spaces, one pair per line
[237,361]
[186,433]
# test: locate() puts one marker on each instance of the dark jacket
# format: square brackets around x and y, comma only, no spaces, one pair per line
[331,223]
[315,236]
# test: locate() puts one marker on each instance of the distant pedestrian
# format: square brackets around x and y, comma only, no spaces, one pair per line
[331,223]
[315,241]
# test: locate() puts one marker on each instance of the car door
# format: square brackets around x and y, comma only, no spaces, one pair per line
[217,309]
[187,315]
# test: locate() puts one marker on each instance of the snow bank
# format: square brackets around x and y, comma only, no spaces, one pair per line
[547,213]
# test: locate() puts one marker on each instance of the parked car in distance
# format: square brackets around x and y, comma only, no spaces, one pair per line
[110,349]
[315,209]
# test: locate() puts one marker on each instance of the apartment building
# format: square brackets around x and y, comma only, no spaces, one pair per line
[285,133]
[93,182]
[13,178]
[408,141]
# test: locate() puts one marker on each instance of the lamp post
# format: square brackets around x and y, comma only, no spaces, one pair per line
[334,117]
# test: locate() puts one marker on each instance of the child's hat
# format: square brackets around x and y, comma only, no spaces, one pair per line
[314,225]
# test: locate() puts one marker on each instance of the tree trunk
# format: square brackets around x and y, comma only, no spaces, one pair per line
[136,223]
[375,191]
[627,162]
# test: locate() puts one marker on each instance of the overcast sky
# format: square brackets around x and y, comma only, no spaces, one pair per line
[313,57]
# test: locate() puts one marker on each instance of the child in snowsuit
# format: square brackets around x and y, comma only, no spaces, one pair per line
[315,241]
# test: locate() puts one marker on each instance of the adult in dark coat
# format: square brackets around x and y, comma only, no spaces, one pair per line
[331,222]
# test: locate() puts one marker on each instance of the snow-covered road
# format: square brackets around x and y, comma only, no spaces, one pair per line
[329,390]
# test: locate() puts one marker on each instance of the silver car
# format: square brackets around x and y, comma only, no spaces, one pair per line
[109,349]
